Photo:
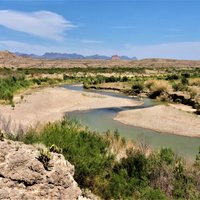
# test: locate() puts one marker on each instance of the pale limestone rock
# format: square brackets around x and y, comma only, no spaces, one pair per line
[23,176]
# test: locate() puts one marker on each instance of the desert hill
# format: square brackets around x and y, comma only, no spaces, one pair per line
[10,60]
[55,55]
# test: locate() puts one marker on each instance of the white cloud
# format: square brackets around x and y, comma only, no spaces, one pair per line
[179,50]
[42,23]
[182,50]
[22,47]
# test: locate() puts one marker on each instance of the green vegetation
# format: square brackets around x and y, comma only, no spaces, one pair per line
[157,83]
[157,88]
[83,70]
[44,157]
[86,150]
[10,85]
[158,175]
[47,81]
[169,73]
[99,79]
[137,87]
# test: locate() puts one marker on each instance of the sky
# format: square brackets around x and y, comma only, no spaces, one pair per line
[145,29]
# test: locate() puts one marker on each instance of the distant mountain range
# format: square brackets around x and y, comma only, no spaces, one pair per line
[54,55]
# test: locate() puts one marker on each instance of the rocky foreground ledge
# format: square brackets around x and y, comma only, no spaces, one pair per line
[23,175]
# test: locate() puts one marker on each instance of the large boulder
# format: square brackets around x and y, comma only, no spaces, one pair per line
[24,176]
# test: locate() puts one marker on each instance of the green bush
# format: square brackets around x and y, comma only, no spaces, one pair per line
[185,75]
[135,165]
[153,195]
[10,85]
[84,149]
[124,79]
[167,155]
[179,87]
[184,80]
[137,87]
[158,88]
[172,77]
[136,176]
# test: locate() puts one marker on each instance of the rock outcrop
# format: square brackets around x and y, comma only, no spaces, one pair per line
[24,176]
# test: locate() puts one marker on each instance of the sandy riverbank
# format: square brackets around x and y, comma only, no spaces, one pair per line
[50,104]
[163,119]
[183,107]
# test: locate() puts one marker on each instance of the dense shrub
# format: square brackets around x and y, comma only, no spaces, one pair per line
[172,77]
[137,87]
[85,149]
[149,84]
[156,194]
[184,80]
[124,79]
[79,69]
[167,155]
[161,175]
[47,81]
[186,75]
[10,85]
[157,87]
[179,87]
[103,79]
[135,165]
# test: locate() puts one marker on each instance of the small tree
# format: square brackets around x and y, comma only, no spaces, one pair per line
[167,155]
[137,87]
[184,80]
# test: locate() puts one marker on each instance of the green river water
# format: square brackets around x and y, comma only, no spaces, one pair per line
[102,120]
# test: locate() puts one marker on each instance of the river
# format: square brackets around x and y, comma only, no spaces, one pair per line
[101,120]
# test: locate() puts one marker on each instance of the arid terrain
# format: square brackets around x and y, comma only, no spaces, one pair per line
[156,97]
[99,100]
[155,80]
[50,104]
[164,119]
[10,60]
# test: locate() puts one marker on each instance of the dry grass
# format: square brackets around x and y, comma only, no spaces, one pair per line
[194,82]
[194,92]
[119,145]
[158,85]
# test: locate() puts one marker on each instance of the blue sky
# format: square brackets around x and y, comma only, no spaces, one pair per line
[163,29]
